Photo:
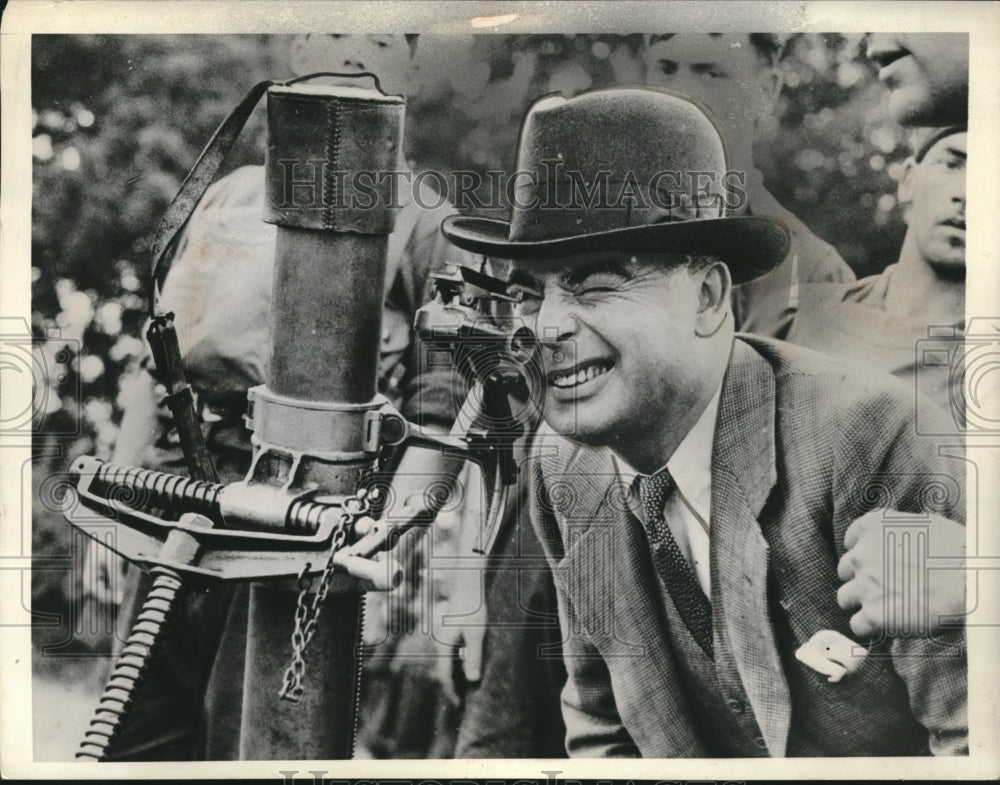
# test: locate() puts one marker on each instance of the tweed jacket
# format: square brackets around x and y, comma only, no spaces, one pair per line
[803,446]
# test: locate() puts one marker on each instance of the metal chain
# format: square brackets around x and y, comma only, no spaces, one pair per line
[307,613]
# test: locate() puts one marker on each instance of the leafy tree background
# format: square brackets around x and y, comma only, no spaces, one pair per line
[119,120]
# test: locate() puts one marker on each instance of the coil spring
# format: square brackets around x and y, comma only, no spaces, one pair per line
[126,677]
[161,488]
[128,672]
[172,490]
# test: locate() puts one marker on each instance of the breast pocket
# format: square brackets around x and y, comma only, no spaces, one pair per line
[872,676]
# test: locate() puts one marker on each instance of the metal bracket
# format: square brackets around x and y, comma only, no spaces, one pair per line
[224,554]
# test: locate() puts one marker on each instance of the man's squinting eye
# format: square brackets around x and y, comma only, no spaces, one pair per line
[949,162]
[600,282]
[668,67]
[947,156]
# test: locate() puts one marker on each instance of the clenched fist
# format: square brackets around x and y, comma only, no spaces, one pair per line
[888,582]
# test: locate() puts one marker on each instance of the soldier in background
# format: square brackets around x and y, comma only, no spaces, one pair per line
[219,287]
[927,78]
[879,319]
[737,76]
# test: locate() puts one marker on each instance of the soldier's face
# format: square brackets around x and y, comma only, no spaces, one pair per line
[616,342]
[936,211]
[722,71]
[927,75]
[387,56]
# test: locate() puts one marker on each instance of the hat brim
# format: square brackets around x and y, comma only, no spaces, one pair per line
[750,245]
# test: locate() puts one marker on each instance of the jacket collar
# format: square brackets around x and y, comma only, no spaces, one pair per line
[744,429]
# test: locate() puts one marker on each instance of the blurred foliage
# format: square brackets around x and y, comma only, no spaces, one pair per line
[119,120]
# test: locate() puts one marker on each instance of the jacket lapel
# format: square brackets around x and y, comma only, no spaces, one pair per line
[607,559]
[743,475]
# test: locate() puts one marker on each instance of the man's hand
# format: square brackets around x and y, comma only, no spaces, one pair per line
[463,637]
[464,641]
[896,592]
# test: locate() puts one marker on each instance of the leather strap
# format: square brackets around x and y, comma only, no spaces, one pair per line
[207,167]
[161,334]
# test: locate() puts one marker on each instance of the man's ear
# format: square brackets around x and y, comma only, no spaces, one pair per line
[714,295]
[905,190]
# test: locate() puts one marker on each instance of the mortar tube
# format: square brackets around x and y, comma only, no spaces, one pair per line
[327,315]
[330,261]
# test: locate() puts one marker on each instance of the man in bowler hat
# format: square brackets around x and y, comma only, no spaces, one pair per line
[692,489]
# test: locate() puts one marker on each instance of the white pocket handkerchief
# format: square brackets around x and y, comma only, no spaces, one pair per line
[832,654]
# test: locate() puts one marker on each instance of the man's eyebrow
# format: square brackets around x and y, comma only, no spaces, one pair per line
[581,272]
[956,152]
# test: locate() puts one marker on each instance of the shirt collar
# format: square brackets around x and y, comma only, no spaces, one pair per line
[690,465]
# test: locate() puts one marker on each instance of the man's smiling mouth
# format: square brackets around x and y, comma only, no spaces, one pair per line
[579,374]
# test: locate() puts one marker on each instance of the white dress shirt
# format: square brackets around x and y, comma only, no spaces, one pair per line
[688,510]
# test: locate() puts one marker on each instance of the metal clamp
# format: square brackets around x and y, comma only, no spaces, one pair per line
[309,427]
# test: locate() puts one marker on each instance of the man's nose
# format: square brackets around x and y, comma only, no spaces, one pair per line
[958,197]
[556,320]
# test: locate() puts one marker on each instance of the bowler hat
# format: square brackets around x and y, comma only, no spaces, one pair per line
[631,169]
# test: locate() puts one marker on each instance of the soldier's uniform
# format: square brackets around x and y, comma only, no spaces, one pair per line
[768,305]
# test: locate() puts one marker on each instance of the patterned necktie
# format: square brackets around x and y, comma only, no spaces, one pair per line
[675,571]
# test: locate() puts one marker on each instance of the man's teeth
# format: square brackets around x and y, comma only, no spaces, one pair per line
[583,375]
